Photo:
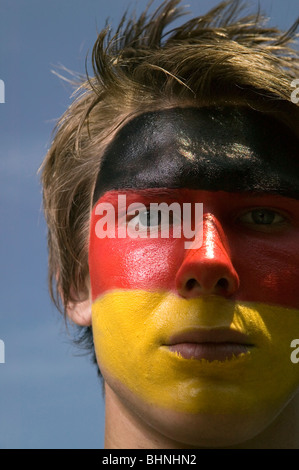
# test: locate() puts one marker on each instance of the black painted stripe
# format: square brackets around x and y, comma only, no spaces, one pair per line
[229,149]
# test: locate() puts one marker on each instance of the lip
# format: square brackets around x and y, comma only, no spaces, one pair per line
[217,344]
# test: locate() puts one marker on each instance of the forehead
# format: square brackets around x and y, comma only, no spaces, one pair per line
[229,149]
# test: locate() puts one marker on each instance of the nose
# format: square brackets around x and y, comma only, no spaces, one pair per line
[208,270]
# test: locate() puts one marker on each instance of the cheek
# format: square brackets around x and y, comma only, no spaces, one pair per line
[268,269]
[133,264]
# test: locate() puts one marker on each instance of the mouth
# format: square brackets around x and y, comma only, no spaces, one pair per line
[215,344]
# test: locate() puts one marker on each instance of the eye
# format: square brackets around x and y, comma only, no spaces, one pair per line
[263,219]
[157,220]
[149,218]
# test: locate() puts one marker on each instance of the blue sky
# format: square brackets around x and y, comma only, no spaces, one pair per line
[49,396]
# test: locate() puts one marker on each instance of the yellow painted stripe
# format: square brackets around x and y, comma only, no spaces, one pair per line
[130,325]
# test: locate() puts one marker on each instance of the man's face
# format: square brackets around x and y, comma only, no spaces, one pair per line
[200,336]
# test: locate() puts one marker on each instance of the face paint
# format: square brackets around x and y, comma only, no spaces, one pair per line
[229,149]
[264,256]
[132,336]
[243,278]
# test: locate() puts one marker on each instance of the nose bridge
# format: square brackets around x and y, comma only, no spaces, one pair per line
[208,269]
[214,242]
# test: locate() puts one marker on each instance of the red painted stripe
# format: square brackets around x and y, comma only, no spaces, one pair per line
[258,266]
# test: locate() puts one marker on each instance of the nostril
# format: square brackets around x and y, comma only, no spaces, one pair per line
[190,284]
[223,283]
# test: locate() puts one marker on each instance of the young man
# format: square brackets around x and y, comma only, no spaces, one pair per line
[193,340]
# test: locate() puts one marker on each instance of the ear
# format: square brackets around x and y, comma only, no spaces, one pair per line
[79,310]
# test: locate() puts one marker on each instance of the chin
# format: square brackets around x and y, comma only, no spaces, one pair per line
[166,428]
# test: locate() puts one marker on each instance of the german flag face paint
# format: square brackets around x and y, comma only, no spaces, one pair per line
[203,331]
